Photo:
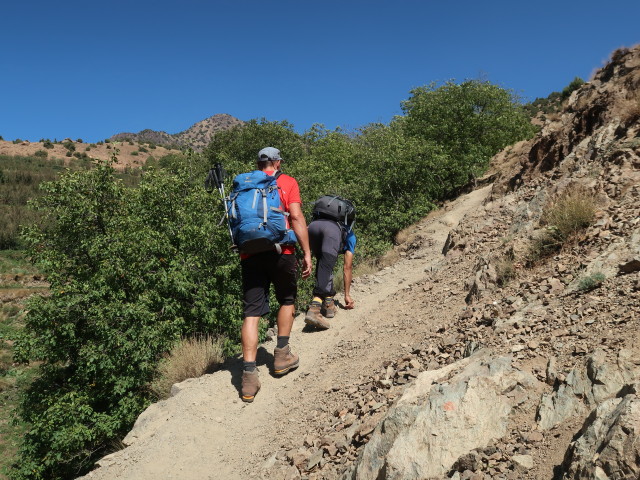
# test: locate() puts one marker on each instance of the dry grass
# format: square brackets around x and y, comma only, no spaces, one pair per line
[368,267]
[571,211]
[543,245]
[190,358]
[565,216]
[505,269]
[630,109]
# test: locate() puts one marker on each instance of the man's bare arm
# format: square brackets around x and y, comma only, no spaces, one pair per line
[348,276]
[299,225]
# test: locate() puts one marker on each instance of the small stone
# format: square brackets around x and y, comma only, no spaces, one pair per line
[533,437]
[332,450]
[314,460]
[523,461]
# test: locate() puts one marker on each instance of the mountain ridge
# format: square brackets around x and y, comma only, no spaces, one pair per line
[196,136]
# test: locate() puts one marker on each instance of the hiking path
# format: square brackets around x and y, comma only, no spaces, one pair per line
[206,432]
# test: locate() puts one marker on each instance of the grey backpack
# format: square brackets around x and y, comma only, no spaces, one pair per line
[335,208]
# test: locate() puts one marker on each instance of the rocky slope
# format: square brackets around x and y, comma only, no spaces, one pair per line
[467,358]
[507,418]
[197,136]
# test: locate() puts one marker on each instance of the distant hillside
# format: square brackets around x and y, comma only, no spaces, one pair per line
[197,136]
[129,154]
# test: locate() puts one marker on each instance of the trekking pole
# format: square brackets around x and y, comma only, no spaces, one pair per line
[215,179]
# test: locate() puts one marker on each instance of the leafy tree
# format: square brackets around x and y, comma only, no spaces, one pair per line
[131,271]
[471,121]
[237,148]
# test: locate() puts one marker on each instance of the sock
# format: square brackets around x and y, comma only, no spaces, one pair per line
[249,366]
[328,299]
[317,300]
[283,342]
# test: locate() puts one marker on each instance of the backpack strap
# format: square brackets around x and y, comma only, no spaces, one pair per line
[276,175]
[264,207]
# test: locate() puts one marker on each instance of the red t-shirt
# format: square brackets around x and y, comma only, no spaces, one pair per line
[289,193]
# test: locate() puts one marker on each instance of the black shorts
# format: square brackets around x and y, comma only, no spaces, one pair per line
[259,272]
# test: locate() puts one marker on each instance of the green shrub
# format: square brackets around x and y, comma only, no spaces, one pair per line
[131,272]
[470,121]
[576,83]
[135,152]
[47,144]
[16,141]
[592,281]
[41,154]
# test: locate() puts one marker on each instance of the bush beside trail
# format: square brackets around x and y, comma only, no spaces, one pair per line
[131,271]
[135,270]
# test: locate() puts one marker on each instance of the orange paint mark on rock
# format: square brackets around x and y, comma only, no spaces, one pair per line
[449,406]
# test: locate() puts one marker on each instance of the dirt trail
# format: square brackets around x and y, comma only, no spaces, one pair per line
[206,432]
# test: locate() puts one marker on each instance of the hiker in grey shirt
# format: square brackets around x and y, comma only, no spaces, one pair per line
[328,239]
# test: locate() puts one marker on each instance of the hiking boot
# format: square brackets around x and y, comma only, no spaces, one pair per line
[250,385]
[314,317]
[329,308]
[284,360]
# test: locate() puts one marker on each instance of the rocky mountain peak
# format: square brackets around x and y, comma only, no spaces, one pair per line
[197,136]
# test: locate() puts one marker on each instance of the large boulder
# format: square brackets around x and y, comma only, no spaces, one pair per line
[446,413]
[585,387]
[608,447]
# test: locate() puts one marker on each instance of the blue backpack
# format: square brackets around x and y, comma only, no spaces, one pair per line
[256,218]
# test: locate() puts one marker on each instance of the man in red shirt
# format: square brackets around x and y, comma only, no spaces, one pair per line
[259,271]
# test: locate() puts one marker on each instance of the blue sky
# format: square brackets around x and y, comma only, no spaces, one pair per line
[92,69]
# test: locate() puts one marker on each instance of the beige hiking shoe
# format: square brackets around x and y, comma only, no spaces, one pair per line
[315,318]
[250,385]
[329,308]
[284,360]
